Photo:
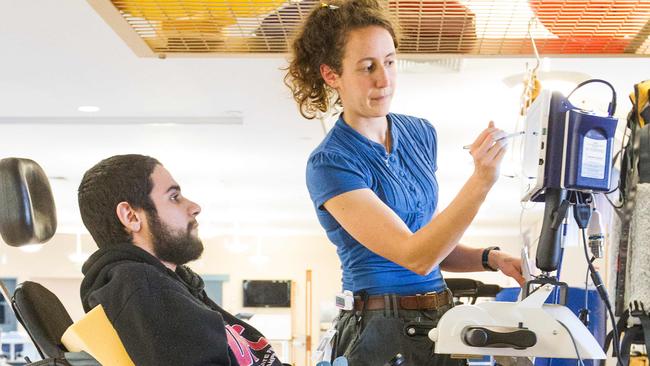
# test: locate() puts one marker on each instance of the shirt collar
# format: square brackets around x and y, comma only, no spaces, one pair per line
[392,130]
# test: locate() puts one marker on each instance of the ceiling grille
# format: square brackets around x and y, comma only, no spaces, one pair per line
[470,27]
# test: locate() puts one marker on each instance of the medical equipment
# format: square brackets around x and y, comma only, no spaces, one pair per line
[596,234]
[345,300]
[567,152]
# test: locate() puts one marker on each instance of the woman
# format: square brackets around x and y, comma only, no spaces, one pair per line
[373,184]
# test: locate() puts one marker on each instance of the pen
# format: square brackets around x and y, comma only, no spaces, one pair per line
[514,134]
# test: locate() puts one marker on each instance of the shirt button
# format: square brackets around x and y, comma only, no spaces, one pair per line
[412,188]
[402,174]
[419,205]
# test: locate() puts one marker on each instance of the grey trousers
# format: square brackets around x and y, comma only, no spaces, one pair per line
[374,337]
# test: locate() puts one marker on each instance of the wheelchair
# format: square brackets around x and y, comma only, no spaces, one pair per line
[29,217]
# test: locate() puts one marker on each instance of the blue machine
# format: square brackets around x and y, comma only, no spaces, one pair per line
[567,157]
[575,157]
[581,143]
[575,146]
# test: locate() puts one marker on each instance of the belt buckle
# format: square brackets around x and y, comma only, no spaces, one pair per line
[437,300]
[420,303]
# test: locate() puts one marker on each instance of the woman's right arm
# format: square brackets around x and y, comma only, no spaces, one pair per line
[372,223]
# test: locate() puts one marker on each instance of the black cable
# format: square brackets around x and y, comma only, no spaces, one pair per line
[619,154]
[600,288]
[617,207]
[575,346]
[583,314]
[612,105]
[613,189]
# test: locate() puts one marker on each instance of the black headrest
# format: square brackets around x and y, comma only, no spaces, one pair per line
[27,212]
[43,316]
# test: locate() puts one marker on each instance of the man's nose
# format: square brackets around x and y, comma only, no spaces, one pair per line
[195,209]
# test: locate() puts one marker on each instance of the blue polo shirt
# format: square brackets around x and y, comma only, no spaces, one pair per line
[404,179]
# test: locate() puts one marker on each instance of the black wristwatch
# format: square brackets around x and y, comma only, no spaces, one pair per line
[484,258]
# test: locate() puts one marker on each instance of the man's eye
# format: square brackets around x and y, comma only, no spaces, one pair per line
[369,68]
[174,197]
[390,62]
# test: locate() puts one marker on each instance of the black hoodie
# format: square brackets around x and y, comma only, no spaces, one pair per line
[165,317]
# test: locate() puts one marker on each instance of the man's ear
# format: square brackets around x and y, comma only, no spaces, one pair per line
[330,76]
[129,217]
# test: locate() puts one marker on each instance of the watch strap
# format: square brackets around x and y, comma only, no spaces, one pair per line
[484,258]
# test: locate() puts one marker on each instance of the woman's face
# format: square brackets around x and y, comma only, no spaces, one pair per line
[367,82]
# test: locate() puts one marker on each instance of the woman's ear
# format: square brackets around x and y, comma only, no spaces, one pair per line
[330,76]
[130,218]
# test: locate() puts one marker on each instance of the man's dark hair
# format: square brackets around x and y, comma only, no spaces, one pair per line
[120,178]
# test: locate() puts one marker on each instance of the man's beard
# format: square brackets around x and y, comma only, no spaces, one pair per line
[174,247]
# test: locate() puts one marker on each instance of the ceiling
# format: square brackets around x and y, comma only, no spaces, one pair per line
[467,27]
[247,175]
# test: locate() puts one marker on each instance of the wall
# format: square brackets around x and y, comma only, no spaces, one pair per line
[458,103]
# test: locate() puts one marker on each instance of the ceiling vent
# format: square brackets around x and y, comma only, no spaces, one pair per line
[470,27]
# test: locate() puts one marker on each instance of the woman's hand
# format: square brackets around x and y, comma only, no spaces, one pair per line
[488,153]
[508,264]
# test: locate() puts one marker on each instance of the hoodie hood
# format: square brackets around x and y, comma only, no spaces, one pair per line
[97,268]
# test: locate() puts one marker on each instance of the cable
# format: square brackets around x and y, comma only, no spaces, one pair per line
[612,105]
[565,226]
[575,346]
[600,288]
[617,207]
[583,314]
[619,154]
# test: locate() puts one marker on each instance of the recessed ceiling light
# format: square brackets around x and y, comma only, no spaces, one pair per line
[88,108]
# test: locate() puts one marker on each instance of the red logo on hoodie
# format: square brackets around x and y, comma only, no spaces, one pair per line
[242,347]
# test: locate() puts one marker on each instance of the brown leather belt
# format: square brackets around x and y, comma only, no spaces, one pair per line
[429,301]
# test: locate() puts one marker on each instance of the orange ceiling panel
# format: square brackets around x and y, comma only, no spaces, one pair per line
[464,27]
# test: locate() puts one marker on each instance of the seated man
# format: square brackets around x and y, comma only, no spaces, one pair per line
[146,230]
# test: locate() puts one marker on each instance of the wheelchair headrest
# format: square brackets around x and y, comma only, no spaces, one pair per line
[43,316]
[27,212]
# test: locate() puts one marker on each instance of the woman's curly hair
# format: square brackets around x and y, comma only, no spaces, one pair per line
[321,40]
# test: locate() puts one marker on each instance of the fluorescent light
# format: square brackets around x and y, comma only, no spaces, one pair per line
[88,108]
[150,121]
[31,248]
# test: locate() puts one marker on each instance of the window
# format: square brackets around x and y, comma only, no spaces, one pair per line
[7,317]
[214,287]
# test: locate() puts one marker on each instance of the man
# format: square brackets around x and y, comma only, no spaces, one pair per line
[146,231]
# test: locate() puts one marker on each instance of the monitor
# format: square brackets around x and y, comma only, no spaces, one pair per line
[267,293]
